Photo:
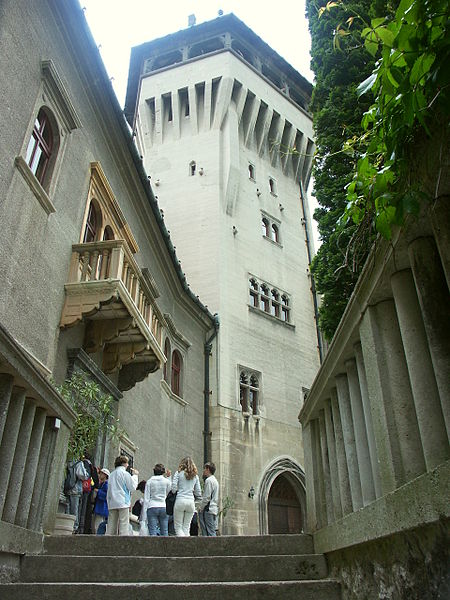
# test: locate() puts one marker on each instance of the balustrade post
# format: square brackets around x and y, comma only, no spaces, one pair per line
[394,418]
[74,269]
[6,386]
[432,292]
[9,440]
[20,457]
[344,482]
[116,265]
[31,464]
[94,265]
[85,266]
[359,426]
[334,474]
[368,418]
[104,264]
[136,292]
[343,395]
[325,469]
[430,418]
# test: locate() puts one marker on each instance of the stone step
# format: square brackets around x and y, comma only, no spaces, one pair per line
[99,545]
[279,590]
[123,569]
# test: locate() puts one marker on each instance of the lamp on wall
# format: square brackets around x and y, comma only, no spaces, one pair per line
[251,493]
[201,171]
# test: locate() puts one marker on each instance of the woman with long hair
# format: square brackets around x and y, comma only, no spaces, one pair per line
[187,485]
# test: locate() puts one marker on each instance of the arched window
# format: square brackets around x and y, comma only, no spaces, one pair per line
[176,373]
[253,293]
[264,302]
[274,232]
[285,308]
[167,363]
[108,234]
[272,186]
[243,391]
[265,226]
[192,168]
[253,394]
[251,172]
[42,147]
[93,224]
[275,309]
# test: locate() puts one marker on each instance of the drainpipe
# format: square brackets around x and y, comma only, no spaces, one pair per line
[207,391]
[313,285]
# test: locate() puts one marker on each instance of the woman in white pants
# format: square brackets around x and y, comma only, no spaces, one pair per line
[187,485]
[120,487]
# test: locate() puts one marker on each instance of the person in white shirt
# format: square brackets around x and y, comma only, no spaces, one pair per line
[209,506]
[120,486]
[156,490]
[187,485]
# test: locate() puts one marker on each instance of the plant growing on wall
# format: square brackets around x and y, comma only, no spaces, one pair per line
[95,414]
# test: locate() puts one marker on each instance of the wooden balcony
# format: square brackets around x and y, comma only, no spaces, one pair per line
[108,291]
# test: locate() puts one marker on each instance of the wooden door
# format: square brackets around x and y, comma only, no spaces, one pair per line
[284,510]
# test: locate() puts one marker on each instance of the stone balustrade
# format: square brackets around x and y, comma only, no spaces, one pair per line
[35,424]
[107,289]
[377,417]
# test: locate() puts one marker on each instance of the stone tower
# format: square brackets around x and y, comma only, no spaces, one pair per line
[221,122]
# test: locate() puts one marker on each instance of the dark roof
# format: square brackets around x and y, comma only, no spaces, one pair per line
[202,32]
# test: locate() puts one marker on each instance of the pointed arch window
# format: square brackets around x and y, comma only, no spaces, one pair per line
[264,301]
[166,368]
[251,172]
[270,300]
[265,226]
[192,168]
[176,373]
[249,392]
[275,307]
[274,232]
[285,308]
[253,292]
[243,391]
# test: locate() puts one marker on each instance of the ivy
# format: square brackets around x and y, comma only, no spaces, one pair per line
[410,84]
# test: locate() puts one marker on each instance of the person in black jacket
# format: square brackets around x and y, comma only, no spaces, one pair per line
[92,483]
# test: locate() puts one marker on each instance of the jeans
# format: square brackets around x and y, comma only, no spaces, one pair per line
[183,511]
[74,508]
[208,523]
[158,516]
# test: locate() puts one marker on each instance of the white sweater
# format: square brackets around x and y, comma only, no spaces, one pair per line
[187,489]
[120,486]
[156,490]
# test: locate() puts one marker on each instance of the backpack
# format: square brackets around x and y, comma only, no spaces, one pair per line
[71,478]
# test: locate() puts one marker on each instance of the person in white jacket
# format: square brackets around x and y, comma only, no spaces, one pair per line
[187,485]
[120,486]
[156,490]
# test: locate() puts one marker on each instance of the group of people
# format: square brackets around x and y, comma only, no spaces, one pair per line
[110,498]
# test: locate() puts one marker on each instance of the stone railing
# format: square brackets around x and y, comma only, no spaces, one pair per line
[376,421]
[108,290]
[35,423]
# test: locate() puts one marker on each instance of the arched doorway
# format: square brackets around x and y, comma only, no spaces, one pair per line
[282,486]
[283,507]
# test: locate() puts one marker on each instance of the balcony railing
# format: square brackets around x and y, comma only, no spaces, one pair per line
[377,419]
[107,289]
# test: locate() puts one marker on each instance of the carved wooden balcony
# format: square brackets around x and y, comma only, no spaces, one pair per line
[107,289]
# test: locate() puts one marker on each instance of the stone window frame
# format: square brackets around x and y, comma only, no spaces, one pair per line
[251,172]
[273,186]
[249,405]
[54,99]
[269,300]
[177,343]
[268,223]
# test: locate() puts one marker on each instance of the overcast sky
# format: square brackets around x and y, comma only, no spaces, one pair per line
[118,25]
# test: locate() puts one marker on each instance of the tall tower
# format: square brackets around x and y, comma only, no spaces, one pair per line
[222,125]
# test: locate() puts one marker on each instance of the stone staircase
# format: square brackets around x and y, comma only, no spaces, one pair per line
[275,567]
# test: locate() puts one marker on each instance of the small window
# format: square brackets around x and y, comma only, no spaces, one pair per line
[249,392]
[285,308]
[251,172]
[243,392]
[275,309]
[108,234]
[192,168]
[93,224]
[176,373]
[274,232]
[265,227]
[264,302]
[41,147]
[272,186]
[167,107]
[167,363]
[253,394]
[253,293]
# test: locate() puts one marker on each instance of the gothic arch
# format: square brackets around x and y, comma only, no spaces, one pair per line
[290,469]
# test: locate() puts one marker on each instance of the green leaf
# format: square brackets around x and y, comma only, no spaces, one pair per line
[386,36]
[366,85]
[421,67]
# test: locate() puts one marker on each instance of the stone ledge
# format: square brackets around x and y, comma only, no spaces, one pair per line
[17,540]
[420,501]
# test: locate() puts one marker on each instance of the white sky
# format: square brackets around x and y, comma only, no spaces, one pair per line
[118,25]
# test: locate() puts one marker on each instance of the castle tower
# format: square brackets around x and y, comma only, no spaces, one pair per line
[217,115]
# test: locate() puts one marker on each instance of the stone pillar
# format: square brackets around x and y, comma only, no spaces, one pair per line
[430,419]
[325,469]
[334,474]
[433,295]
[344,484]
[42,475]
[9,440]
[393,414]
[29,475]
[319,488]
[18,467]
[6,386]
[311,513]
[359,425]
[368,418]
[349,440]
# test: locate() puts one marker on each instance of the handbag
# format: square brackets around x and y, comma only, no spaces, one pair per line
[170,501]
[87,485]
